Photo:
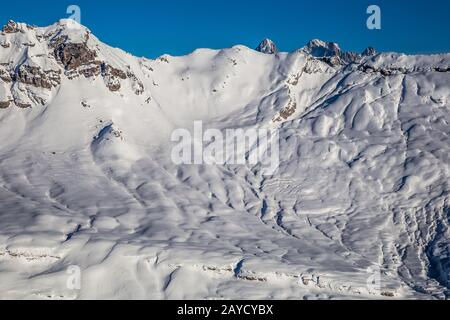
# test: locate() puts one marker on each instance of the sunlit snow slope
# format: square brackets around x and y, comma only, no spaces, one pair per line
[86,177]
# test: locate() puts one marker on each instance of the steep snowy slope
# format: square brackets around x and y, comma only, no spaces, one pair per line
[87,180]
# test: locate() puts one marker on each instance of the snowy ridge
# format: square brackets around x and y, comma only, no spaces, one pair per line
[86,177]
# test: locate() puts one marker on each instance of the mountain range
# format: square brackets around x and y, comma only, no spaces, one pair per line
[86,177]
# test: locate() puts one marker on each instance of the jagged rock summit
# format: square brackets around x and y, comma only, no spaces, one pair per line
[331,53]
[370,51]
[267,46]
[319,48]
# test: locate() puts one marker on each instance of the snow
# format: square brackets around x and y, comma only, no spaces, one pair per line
[86,177]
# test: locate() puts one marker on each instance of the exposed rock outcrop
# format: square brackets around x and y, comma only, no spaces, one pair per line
[4,104]
[392,70]
[370,51]
[78,59]
[112,77]
[136,84]
[35,76]
[5,75]
[320,49]
[74,55]
[331,53]
[51,53]
[267,46]
[11,27]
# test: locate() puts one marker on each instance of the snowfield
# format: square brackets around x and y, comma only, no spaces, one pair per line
[87,180]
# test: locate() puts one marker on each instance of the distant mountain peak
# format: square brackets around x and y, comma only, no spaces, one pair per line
[370,51]
[319,48]
[267,46]
[13,27]
[331,52]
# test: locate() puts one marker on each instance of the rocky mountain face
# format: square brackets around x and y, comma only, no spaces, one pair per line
[33,62]
[332,54]
[267,46]
[87,177]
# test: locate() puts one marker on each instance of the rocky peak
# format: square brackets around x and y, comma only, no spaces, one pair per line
[34,61]
[267,46]
[370,51]
[320,49]
[11,27]
[331,53]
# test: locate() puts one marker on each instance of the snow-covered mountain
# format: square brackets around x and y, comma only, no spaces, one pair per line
[86,177]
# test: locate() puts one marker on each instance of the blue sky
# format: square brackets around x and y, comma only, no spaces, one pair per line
[151,28]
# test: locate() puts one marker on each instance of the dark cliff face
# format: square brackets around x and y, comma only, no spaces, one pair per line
[370,51]
[36,77]
[267,46]
[4,104]
[74,55]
